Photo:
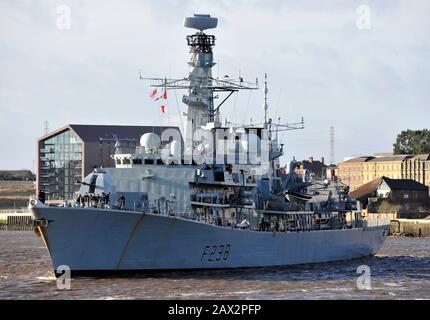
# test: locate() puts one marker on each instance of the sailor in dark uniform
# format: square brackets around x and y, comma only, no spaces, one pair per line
[41,196]
[121,202]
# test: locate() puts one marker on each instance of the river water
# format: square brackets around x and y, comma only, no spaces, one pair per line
[401,270]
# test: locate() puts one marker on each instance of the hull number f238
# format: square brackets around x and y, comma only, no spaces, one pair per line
[215,253]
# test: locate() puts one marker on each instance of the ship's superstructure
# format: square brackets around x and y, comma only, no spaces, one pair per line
[212,197]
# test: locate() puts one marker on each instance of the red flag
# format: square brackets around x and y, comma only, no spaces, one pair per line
[153,93]
[163,109]
[163,95]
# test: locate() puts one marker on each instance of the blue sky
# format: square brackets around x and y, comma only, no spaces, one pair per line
[368,83]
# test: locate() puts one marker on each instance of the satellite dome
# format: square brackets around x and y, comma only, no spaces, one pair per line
[150,141]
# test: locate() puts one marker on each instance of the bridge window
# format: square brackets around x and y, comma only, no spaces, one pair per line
[137,161]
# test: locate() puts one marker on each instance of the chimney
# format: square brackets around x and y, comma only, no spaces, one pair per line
[311,159]
[322,160]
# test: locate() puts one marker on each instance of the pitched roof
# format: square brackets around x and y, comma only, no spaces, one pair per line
[366,189]
[313,165]
[404,184]
[423,157]
[383,154]
[390,158]
[394,184]
[92,133]
[358,159]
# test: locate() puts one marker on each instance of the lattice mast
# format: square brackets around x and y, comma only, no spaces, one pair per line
[200,83]
[200,100]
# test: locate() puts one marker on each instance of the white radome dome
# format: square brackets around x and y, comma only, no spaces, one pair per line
[150,141]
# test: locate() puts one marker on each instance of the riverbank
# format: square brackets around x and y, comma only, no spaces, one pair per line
[399,226]
[15,194]
[16,220]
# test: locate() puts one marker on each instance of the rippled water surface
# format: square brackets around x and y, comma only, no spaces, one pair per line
[401,270]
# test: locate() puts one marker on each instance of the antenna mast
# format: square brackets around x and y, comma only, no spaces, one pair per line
[200,84]
[332,157]
[266,106]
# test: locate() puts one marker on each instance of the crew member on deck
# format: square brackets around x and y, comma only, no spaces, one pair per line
[121,202]
[42,196]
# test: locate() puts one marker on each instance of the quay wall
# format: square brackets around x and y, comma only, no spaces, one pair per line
[400,226]
[15,220]
[410,227]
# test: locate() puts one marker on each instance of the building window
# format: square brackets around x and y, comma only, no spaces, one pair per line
[405,196]
[60,166]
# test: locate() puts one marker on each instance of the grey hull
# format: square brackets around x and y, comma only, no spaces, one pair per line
[110,240]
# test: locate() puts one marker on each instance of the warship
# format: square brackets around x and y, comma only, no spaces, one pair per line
[213,197]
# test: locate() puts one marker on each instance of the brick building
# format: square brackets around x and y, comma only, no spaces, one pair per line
[361,170]
[350,171]
[417,168]
[315,168]
[387,166]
